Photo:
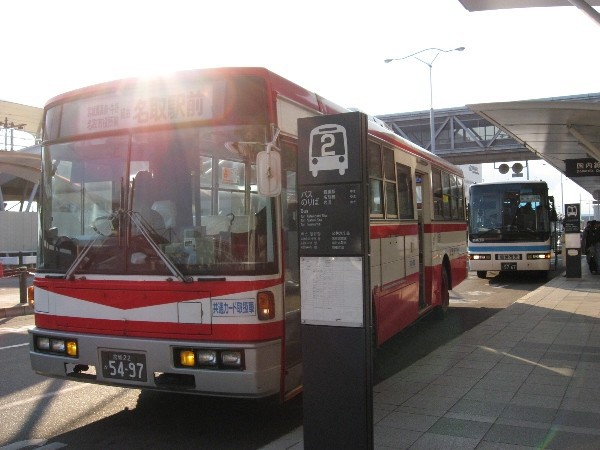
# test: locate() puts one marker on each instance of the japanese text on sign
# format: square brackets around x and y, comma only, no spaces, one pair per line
[324,227]
[108,113]
[233,308]
[582,167]
[332,291]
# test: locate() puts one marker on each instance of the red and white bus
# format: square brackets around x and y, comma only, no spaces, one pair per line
[161,266]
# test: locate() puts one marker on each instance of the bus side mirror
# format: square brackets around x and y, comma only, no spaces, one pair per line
[268,173]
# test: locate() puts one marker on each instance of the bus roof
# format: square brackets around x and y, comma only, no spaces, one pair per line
[279,86]
[488,183]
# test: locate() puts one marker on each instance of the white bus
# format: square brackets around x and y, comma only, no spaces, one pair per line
[510,227]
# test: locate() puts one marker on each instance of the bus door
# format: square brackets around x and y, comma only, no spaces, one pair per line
[292,353]
[421,182]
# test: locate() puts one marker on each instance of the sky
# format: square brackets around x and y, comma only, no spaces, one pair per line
[334,47]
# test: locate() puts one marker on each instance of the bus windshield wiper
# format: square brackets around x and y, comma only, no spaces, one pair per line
[147,231]
[80,257]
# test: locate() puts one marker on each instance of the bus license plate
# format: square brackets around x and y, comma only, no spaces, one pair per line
[124,365]
[508,266]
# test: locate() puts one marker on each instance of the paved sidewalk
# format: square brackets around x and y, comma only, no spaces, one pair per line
[526,378]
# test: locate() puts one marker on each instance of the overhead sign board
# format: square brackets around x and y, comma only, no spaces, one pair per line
[585,167]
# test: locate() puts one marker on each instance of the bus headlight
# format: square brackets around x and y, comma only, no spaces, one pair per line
[57,345]
[60,346]
[231,358]
[538,256]
[42,343]
[480,257]
[207,357]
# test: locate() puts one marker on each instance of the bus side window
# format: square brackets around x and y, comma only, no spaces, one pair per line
[375,179]
[405,193]
[438,201]
[391,195]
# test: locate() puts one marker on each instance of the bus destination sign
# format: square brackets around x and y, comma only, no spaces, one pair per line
[143,108]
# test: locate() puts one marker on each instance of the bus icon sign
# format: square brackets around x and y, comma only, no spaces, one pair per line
[328,149]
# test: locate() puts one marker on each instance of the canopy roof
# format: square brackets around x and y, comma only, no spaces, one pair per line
[21,165]
[560,132]
[27,118]
[483,5]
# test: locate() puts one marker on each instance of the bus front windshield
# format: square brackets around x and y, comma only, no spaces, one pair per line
[163,202]
[509,213]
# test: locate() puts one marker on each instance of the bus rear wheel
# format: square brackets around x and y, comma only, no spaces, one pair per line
[481,273]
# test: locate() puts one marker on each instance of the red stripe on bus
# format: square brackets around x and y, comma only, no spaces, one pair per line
[130,295]
[384,231]
[162,330]
[444,227]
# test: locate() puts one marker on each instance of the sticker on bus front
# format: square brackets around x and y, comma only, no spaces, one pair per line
[328,149]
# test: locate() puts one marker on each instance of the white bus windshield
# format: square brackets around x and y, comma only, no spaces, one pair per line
[509,212]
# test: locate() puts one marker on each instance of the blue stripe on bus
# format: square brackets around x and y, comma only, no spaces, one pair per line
[510,248]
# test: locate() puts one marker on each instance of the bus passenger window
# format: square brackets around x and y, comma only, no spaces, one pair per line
[375,179]
[436,179]
[391,197]
[446,195]
[405,193]
[375,197]
[461,196]
[454,197]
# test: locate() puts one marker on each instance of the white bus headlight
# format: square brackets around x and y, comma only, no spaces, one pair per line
[531,256]
[57,345]
[42,343]
[207,357]
[231,358]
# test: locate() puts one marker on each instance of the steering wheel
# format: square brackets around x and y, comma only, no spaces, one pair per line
[103,225]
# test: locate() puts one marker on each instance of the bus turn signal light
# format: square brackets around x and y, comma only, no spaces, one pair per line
[266,305]
[187,358]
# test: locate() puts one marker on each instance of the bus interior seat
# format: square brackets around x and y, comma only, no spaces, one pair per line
[168,211]
[235,234]
[214,225]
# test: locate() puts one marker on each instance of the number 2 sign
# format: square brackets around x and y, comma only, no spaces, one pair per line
[328,149]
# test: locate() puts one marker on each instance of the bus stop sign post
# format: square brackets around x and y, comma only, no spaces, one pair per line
[572,229]
[335,281]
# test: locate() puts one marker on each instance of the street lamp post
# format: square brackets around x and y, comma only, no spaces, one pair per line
[430,65]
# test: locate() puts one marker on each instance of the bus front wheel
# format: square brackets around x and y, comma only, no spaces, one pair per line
[481,273]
